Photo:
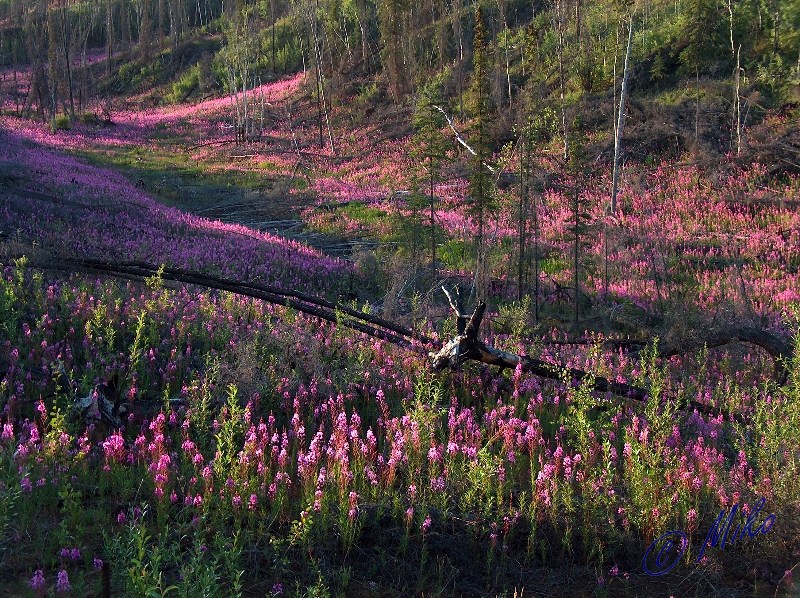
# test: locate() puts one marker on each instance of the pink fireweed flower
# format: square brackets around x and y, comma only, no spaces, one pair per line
[252,502]
[8,432]
[426,525]
[691,518]
[114,448]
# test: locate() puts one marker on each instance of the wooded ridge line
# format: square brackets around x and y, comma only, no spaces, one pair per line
[465,346]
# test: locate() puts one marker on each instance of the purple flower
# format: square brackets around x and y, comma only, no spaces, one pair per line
[277,589]
[98,563]
[37,581]
[63,585]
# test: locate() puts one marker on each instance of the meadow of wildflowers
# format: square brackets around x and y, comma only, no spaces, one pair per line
[267,453]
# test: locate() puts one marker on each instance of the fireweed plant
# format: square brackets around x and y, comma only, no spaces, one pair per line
[207,487]
[266,452]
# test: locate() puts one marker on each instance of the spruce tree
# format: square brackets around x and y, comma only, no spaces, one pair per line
[430,146]
[482,197]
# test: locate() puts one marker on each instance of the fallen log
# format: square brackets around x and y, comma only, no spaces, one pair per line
[314,306]
[465,346]
[779,348]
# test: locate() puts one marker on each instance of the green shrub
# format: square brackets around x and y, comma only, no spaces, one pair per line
[184,86]
[61,122]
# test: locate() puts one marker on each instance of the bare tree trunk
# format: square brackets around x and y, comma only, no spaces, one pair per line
[126,23]
[776,22]
[697,110]
[52,59]
[458,32]
[272,18]
[66,34]
[559,17]
[524,165]
[321,102]
[737,106]
[620,122]
[109,35]
[145,27]
[576,252]
[162,19]
[535,208]
[433,217]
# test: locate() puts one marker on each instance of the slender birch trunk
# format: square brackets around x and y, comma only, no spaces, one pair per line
[620,122]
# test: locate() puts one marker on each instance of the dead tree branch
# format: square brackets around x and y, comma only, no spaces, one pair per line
[460,139]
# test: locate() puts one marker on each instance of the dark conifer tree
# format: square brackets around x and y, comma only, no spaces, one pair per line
[431,146]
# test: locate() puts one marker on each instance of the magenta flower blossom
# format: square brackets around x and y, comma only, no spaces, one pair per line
[426,525]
